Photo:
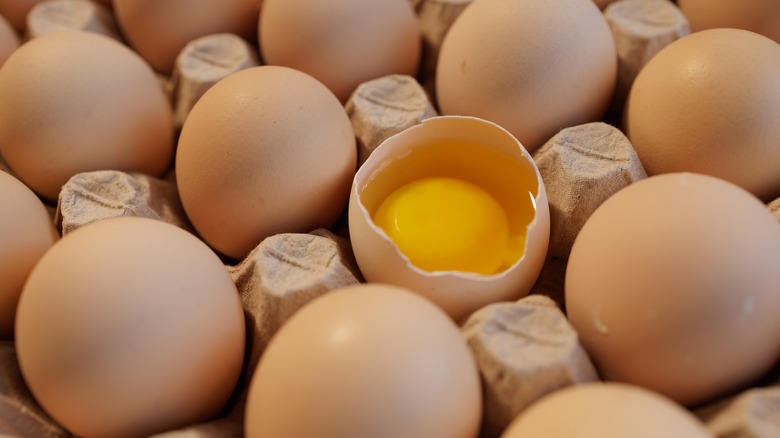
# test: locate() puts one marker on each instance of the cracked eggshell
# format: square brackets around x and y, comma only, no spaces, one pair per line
[672,285]
[457,293]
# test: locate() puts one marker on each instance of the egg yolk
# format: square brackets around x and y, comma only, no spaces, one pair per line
[446,224]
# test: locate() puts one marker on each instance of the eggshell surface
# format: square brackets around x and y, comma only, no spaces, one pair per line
[366,361]
[16,11]
[607,410]
[471,149]
[671,285]
[26,232]
[159,30]
[532,66]
[9,40]
[709,103]
[73,102]
[266,150]
[130,327]
[760,16]
[342,43]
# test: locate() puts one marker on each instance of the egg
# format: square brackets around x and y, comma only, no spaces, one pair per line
[130,327]
[531,66]
[606,410]
[264,151]
[26,232]
[9,40]
[475,232]
[760,16]
[603,3]
[16,11]
[672,285]
[73,102]
[159,30]
[709,103]
[369,360]
[342,43]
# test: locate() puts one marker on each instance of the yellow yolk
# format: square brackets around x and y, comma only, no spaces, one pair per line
[446,224]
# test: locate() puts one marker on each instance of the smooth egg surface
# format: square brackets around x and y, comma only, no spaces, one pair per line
[266,150]
[159,30]
[73,102]
[671,286]
[342,43]
[709,103]
[129,327]
[606,410]
[26,233]
[531,66]
[9,40]
[760,16]
[370,360]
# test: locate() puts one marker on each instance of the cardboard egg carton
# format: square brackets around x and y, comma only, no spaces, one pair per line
[524,350]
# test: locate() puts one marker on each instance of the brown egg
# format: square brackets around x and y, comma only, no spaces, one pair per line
[16,11]
[26,232]
[603,3]
[266,150]
[342,43]
[606,410]
[760,16]
[159,30]
[366,361]
[709,103]
[129,327]
[9,40]
[531,66]
[72,102]
[672,285]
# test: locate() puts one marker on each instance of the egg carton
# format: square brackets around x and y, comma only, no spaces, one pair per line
[524,350]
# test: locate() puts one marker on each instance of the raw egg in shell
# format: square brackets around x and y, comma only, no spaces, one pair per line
[453,208]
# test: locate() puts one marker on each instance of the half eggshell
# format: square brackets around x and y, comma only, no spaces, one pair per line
[463,147]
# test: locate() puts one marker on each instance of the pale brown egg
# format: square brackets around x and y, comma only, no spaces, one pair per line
[672,285]
[709,103]
[159,30]
[9,40]
[342,43]
[16,11]
[760,16]
[129,327]
[532,66]
[603,3]
[26,232]
[366,361]
[266,150]
[606,410]
[73,102]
